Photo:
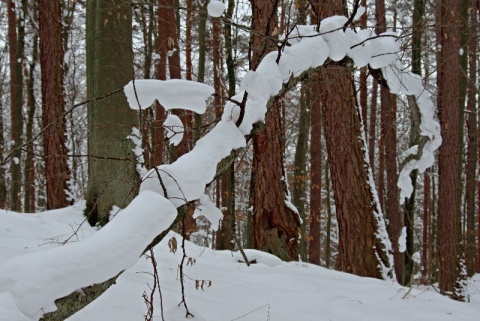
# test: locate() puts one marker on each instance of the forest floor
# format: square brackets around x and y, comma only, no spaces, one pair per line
[220,287]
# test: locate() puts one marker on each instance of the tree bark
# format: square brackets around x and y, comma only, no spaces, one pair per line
[315,173]
[299,184]
[359,217]
[372,125]
[388,114]
[226,183]
[29,166]
[356,207]
[450,249]
[113,179]
[16,50]
[409,218]
[53,104]
[275,224]
[472,142]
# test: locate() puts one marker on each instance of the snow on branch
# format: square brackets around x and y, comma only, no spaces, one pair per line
[420,156]
[174,93]
[36,280]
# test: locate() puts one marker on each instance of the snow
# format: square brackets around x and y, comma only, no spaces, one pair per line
[360,11]
[35,280]
[209,211]
[386,48]
[30,283]
[174,129]
[283,291]
[215,8]
[136,139]
[174,93]
[185,179]
[332,33]
[407,83]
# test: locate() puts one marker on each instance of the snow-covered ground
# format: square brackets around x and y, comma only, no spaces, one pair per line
[269,290]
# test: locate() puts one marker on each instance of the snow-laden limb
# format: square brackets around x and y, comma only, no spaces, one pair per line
[174,93]
[422,156]
[185,179]
[36,280]
[174,129]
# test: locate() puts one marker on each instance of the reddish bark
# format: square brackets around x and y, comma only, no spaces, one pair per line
[53,104]
[371,130]
[315,174]
[276,226]
[472,141]
[450,250]
[426,229]
[391,205]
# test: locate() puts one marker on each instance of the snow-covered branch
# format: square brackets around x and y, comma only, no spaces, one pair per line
[34,281]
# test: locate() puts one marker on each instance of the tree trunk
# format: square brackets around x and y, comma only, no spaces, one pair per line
[53,104]
[472,140]
[225,183]
[409,218]
[363,75]
[315,173]
[450,249]
[328,239]
[372,125]
[16,43]
[299,184]
[3,183]
[426,229]
[275,224]
[388,114]
[29,166]
[358,212]
[392,206]
[113,178]
[363,248]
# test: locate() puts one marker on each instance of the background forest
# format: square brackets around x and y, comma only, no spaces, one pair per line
[345,170]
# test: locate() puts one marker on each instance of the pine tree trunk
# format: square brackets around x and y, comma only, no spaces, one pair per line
[426,240]
[299,184]
[359,217]
[388,114]
[315,173]
[472,140]
[113,179]
[226,183]
[16,51]
[53,104]
[3,183]
[29,166]
[373,123]
[450,249]
[328,239]
[275,224]
[356,207]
